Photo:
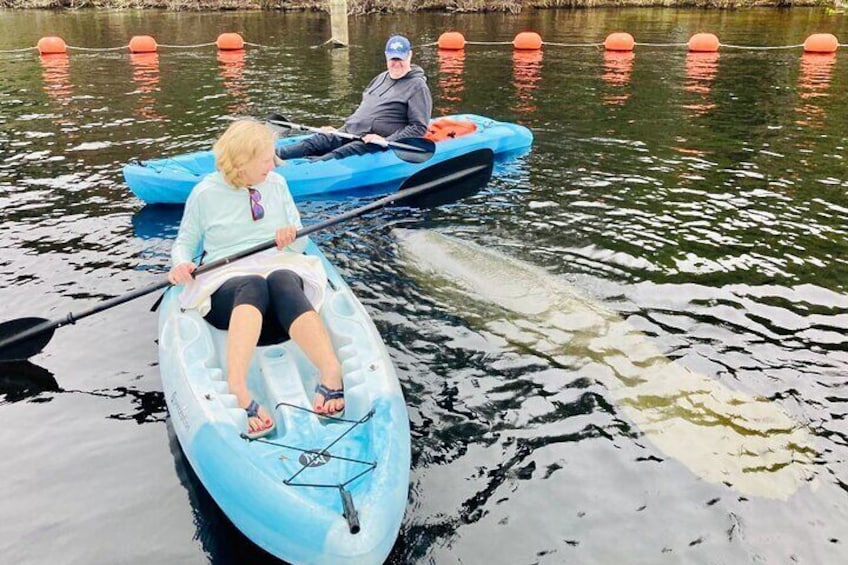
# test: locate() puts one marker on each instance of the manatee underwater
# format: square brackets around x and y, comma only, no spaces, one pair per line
[720,434]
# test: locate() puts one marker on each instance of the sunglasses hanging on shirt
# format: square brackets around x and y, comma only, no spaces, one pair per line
[256,209]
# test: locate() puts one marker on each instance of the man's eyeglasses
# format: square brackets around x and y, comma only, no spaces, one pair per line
[256,209]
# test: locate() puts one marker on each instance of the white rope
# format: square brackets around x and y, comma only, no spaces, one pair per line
[17,50]
[755,48]
[186,46]
[264,46]
[98,48]
[661,44]
[573,44]
[488,42]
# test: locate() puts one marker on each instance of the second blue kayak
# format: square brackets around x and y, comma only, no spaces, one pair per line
[170,180]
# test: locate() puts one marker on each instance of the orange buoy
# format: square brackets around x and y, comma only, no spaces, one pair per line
[703,43]
[821,43]
[52,45]
[452,41]
[528,40]
[143,44]
[619,41]
[230,42]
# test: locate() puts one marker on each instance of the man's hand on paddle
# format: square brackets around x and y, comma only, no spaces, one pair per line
[375,139]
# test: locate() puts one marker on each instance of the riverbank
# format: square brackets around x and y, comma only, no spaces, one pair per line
[376,6]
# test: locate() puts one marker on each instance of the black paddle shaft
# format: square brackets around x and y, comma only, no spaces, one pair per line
[433,186]
[410,149]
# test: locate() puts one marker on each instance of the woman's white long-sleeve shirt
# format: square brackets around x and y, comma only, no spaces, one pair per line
[218,220]
[217,216]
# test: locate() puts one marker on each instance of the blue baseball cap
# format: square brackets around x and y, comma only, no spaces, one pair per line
[397,47]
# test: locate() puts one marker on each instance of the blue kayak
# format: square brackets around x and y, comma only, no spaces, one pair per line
[316,490]
[170,180]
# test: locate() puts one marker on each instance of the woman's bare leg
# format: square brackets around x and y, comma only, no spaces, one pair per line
[309,333]
[242,337]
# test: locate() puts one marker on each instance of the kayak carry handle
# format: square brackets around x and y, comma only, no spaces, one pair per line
[350,513]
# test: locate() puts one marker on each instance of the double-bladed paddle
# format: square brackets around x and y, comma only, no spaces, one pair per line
[411,149]
[442,183]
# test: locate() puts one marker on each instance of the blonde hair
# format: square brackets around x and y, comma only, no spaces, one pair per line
[243,142]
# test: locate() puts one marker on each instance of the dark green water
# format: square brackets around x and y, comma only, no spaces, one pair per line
[701,198]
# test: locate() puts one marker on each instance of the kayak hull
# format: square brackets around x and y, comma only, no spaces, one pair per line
[258,484]
[170,180]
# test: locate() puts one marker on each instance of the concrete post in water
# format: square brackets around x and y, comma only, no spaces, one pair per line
[338,23]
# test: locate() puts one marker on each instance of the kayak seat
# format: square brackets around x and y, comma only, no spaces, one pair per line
[449,128]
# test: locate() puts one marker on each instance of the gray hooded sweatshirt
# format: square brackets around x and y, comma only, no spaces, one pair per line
[393,108]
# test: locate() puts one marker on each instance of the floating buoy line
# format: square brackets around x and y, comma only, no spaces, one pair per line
[55,45]
[618,49]
[455,41]
[622,41]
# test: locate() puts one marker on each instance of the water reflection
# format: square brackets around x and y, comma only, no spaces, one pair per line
[155,221]
[157,225]
[149,404]
[526,75]
[814,79]
[146,77]
[618,66]
[451,81]
[22,380]
[340,72]
[231,68]
[56,75]
[701,69]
